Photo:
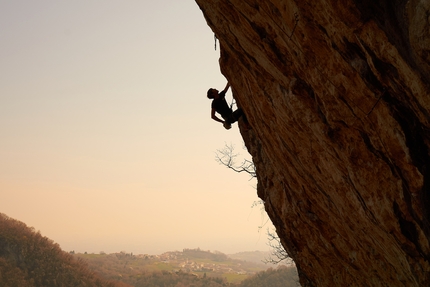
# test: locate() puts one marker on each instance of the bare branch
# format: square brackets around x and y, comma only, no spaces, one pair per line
[278,252]
[227,157]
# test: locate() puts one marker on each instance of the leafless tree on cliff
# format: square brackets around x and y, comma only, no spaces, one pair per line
[229,158]
[278,252]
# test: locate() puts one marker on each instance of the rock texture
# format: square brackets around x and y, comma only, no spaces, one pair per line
[336,95]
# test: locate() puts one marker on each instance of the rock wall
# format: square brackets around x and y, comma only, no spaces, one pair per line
[336,95]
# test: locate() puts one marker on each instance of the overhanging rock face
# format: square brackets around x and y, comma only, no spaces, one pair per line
[336,95]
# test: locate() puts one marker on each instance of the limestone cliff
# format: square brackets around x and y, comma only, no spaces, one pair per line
[336,95]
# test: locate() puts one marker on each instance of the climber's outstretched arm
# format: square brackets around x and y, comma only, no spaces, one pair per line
[214,117]
[226,87]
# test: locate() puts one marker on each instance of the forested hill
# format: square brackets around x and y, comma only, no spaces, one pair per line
[29,259]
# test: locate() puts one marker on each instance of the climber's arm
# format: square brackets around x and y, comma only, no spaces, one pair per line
[214,117]
[226,87]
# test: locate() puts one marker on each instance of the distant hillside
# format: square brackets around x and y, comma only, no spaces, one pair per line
[190,267]
[28,259]
[131,269]
[257,257]
[262,257]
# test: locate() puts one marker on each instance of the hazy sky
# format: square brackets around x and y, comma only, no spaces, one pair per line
[106,141]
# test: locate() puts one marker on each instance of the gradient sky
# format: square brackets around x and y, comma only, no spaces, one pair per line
[106,141]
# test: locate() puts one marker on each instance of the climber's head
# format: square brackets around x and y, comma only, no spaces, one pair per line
[212,93]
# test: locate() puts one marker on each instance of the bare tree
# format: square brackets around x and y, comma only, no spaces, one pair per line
[229,158]
[278,252]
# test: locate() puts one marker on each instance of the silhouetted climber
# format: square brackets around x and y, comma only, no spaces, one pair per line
[220,106]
